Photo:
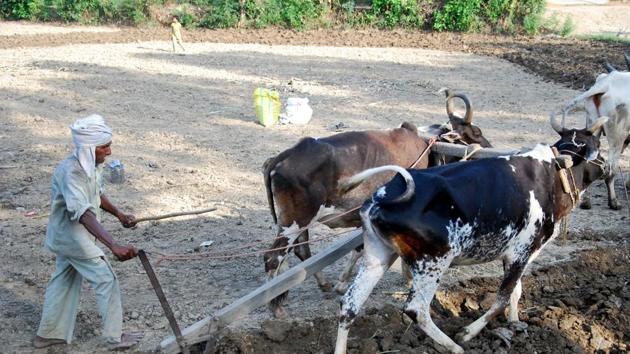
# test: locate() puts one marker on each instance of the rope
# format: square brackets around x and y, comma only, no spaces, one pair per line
[428,148]
[177,257]
[323,220]
[467,155]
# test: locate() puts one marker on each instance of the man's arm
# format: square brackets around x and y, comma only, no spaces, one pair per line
[123,253]
[127,220]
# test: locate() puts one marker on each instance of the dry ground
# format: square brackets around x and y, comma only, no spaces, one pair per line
[185,130]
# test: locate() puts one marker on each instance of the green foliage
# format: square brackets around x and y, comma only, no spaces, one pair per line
[393,13]
[186,18]
[263,13]
[568,26]
[508,16]
[552,24]
[456,15]
[222,14]
[15,9]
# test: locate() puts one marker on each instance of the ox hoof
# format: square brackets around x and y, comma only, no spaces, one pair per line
[326,287]
[463,336]
[586,204]
[341,288]
[614,205]
[279,312]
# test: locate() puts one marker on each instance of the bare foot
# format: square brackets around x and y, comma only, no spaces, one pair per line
[127,340]
[40,342]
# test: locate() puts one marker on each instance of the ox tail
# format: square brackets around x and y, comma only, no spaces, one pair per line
[268,166]
[354,181]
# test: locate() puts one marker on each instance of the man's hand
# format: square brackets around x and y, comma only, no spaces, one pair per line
[127,220]
[124,253]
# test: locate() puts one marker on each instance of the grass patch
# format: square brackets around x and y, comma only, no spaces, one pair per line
[608,38]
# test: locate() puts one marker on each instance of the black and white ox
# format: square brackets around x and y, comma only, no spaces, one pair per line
[505,208]
[302,184]
[609,97]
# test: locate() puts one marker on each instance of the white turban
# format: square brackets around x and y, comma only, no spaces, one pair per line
[87,134]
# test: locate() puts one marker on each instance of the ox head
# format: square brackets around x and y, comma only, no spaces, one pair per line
[582,145]
[468,133]
[610,68]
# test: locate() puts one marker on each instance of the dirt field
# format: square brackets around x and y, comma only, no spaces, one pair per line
[185,129]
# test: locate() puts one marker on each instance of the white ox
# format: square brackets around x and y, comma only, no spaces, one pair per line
[609,96]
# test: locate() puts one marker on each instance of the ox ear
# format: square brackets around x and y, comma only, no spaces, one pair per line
[592,154]
[597,126]
[609,67]
[554,123]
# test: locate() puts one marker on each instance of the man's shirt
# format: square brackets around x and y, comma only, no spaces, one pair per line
[73,193]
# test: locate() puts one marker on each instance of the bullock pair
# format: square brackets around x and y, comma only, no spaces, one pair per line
[459,214]
[610,97]
[302,182]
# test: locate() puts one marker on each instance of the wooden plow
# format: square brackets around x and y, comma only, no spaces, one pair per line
[206,329]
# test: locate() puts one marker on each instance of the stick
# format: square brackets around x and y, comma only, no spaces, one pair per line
[172,215]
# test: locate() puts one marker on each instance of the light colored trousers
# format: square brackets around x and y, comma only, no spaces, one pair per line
[63,293]
[177,40]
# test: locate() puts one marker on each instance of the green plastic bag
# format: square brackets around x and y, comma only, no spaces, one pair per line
[267,105]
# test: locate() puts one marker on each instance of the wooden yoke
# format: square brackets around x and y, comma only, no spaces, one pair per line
[563,163]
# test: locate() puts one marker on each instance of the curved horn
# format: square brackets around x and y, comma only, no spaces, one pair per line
[469,115]
[597,125]
[354,181]
[449,102]
[627,58]
[554,123]
[609,67]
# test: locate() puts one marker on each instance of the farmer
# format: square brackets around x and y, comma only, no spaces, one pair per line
[77,198]
[176,33]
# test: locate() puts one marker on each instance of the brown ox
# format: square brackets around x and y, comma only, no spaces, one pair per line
[302,183]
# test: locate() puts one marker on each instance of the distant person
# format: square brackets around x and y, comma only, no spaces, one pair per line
[73,227]
[176,33]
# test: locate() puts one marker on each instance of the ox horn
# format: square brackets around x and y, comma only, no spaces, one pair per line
[597,125]
[554,123]
[468,116]
[609,67]
[627,58]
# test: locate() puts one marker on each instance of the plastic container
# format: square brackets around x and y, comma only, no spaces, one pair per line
[116,172]
[267,106]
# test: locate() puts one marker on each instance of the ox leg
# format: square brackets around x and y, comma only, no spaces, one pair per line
[504,297]
[616,145]
[275,263]
[512,314]
[377,259]
[613,202]
[344,277]
[303,252]
[586,199]
[426,277]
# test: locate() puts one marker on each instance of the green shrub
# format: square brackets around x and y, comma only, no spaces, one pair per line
[568,26]
[263,13]
[186,18]
[456,15]
[15,9]
[393,13]
[222,14]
